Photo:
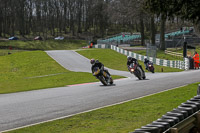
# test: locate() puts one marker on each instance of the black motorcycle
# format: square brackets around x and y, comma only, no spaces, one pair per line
[135,69]
[104,77]
[150,67]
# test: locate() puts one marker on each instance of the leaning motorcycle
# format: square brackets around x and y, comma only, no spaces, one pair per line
[137,71]
[150,66]
[104,77]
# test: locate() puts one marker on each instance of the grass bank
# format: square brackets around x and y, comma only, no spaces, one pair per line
[4,52]
[43,45]
[160,55]
[22,71]
[115,60]
[120,118]
[32,70]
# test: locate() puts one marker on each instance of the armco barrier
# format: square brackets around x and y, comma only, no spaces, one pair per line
[101,46]
[168,63]
[175,64]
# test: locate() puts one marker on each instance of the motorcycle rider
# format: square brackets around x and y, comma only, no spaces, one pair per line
[133,60]
[99,65]
[146,61]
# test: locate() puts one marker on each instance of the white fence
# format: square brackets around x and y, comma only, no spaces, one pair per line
[173,53]
[168,63]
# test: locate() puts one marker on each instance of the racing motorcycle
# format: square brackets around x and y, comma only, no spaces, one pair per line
[137,71]
[104,77]
[150,66]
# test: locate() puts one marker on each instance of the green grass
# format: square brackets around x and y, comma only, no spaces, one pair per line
[45,45]
[4,52]
[108,57]
[115,60]
[160,55]
[120,118]
[19,71]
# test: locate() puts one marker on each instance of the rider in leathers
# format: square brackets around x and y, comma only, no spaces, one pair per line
[146,61]
[99,65]
[133,60]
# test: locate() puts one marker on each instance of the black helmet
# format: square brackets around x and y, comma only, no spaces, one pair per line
[92,61]
[145,59]
[129,58]
[97,61]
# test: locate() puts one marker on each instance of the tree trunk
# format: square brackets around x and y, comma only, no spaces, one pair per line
[79,17]
[22,18]
[152,30]
[65,17]
[142,30]
[162,32]
[72,25]
[1,18]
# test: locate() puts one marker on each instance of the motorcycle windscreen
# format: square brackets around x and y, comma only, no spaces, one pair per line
[150,64]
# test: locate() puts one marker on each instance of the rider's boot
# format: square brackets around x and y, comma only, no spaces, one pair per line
[108,79]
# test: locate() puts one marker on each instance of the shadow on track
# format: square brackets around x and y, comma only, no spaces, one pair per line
[107,85]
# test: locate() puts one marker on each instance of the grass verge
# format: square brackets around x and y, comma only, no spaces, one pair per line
[120,118]
[44,45]
[115,60]
[23,71]
[4,52]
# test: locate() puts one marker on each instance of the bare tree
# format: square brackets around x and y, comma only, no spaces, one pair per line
[57,17]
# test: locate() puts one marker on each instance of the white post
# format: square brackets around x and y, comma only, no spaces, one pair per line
[186,60]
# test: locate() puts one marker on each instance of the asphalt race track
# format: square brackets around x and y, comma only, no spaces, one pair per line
[25,108]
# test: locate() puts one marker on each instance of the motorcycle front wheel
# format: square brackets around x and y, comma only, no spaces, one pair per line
[151,69]
[111,81]
[103,81]
[138,73]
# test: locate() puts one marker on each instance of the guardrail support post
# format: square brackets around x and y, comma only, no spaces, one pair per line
[198,120]
[173,130]
[198,90]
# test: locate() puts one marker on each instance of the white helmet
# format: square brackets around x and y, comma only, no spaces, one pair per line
[129,58]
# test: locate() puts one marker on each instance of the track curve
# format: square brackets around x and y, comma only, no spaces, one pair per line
[24,108]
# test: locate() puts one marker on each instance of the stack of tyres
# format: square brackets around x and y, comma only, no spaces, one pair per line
[185,113]
[161,127]
[172,118]
[165,124]
[194,102]
[149,129]
[194,107]
[178,115]
[189,110]
[176,120]
[197,97]
[139,132]
[170,121]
